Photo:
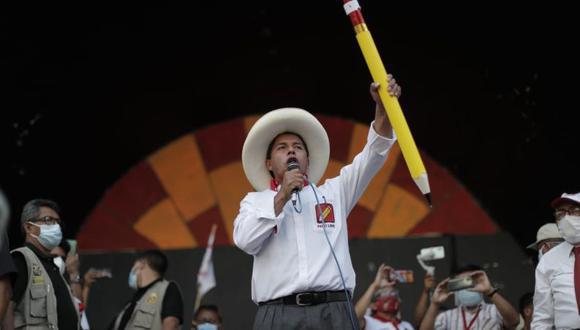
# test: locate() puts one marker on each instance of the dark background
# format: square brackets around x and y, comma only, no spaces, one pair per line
[489,92]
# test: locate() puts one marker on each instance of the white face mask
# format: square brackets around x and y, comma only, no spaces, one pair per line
[59,262]
[468,298]
[133,280]
[207,326]
[50,235]
[569,227]
[540,254]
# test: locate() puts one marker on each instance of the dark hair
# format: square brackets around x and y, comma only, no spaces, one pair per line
[466,268]
[212,308]
[31,210]
[155,259]
[526,300]
[271,145]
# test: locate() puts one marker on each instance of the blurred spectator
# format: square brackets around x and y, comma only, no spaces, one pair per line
[157,303]
[557,292]
[68,266]
[42,297]
[7,269]
[207,317]
[385,311]
[471,312]
[548,237]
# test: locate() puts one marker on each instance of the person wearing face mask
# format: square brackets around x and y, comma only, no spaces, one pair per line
[471,312]
[68,265]
[157,303]
[42,298]
[379,306]
[557,292]
[548,237]
[207,317]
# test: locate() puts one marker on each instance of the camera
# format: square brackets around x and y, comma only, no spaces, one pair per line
[432,253]
[460,283]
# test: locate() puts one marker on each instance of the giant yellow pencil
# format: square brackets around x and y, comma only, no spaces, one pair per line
[392,107]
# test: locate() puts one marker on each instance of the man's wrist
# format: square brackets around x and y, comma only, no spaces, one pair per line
[281,197]
[491,292]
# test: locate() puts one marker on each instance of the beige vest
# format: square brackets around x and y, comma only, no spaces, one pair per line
[147,312]
[37,309]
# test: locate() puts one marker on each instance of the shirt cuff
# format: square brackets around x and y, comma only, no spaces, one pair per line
[378,143]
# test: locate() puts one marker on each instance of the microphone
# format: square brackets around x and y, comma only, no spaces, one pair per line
[292,165]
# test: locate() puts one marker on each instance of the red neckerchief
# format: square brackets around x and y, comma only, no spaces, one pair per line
[465,326]
[274,184]
[394,321]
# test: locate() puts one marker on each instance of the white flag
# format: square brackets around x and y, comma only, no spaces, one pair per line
[205,275]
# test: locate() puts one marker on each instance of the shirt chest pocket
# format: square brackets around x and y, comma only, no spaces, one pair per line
[38,303]
[144,316]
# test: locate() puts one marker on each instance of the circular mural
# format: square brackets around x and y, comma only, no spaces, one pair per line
[171,199]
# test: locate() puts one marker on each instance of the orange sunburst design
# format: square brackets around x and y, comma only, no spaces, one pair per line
[171,199]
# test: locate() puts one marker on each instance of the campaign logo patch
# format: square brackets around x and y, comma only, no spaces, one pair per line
[324,213]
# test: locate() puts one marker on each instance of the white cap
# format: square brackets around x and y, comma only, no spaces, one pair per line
[570,198]
[548,231]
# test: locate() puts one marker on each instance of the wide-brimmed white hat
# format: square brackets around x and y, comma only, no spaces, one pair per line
[548,231]
[272,124]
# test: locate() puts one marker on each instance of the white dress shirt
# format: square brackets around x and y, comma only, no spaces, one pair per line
[554,297]
[290,251]
[375,324]
[488,318]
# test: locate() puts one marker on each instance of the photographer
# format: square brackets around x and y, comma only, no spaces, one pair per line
[471,312]
[385,311]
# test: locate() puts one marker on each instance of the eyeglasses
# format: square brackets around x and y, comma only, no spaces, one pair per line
[46,220]
[559,214]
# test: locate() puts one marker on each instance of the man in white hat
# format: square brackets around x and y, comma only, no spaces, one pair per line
[557,293]
[547,238]
[302,273]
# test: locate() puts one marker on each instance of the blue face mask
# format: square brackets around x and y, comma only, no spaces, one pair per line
[50,235]
[207,326]
[468,298]
[133,280]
